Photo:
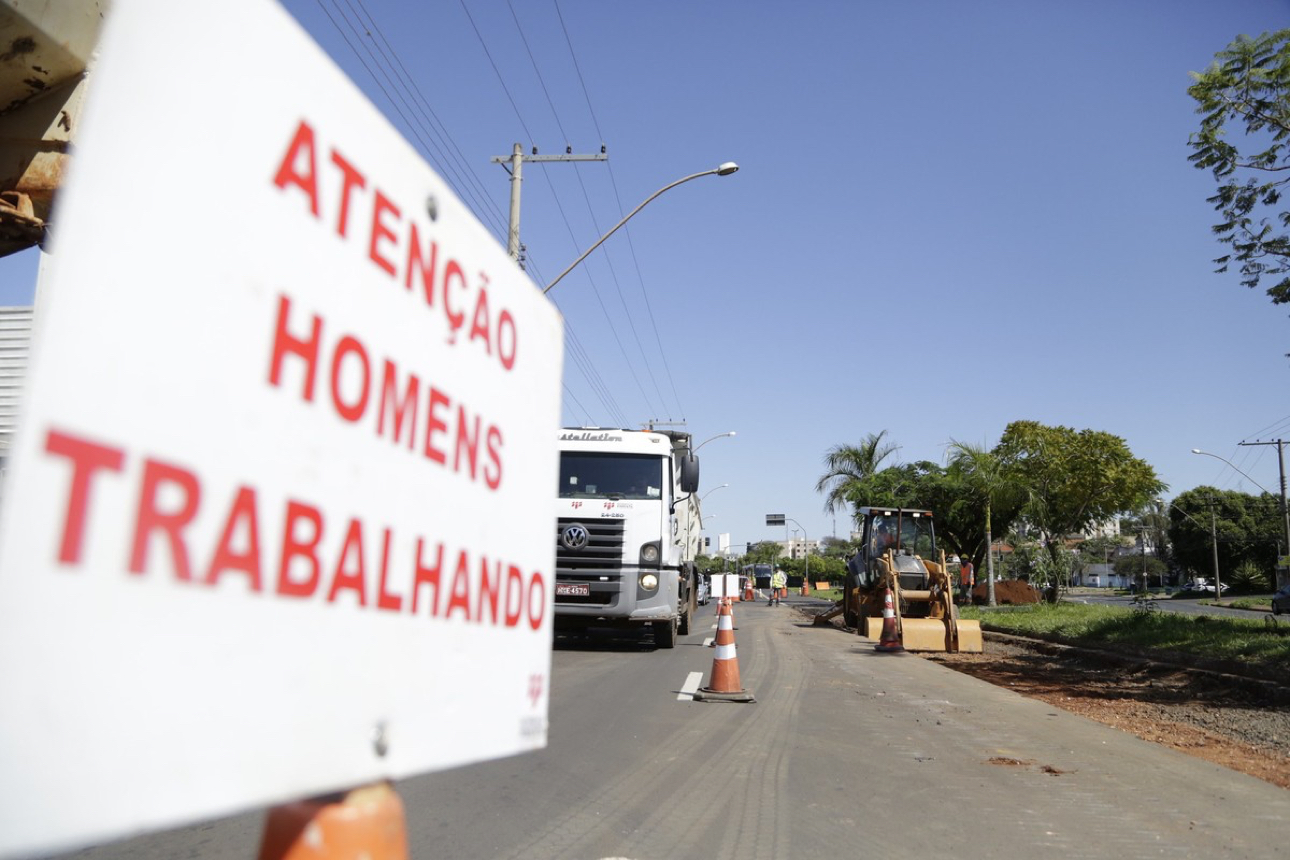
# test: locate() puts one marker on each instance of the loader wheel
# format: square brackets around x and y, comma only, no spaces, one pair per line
[849,617]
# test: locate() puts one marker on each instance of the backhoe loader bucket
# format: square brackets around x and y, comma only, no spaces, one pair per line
[826,619]
[931,634]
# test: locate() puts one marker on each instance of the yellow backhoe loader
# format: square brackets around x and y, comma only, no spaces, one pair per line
[899,552]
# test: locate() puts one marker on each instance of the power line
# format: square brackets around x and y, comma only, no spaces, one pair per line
[385,60]
[631,245]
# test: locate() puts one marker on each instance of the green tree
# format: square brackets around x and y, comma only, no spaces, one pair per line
[765,552]
[847,465]
[1132,566]
[1248,529]
[986,475]
[1248,86]
[928,486]
[1073,478]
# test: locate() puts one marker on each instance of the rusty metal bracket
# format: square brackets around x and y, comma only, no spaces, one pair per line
[19,226]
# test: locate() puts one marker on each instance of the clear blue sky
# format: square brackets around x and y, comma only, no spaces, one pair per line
[948,216]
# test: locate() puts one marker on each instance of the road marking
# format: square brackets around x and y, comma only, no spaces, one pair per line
[707,643]
[688,689]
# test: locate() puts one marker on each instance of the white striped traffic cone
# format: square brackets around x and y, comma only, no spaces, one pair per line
[889,641]
[723,684]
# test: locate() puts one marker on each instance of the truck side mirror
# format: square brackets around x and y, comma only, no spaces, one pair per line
[689,473]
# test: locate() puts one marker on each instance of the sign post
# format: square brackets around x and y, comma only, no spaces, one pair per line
[276,516]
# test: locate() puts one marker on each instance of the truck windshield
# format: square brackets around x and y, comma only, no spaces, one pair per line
[585,475]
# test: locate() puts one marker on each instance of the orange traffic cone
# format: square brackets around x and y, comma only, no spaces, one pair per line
[366,822]
[748,590]
[723,684]
[889,640]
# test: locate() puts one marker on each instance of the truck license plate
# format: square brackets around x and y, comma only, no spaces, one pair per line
[572,589]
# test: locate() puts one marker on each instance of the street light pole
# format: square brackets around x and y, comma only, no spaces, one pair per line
[725,169]
[718,436]
[710,492]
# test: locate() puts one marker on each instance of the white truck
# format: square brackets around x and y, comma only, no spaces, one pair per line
[627,531]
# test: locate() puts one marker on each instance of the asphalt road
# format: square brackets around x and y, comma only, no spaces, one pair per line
[845,752]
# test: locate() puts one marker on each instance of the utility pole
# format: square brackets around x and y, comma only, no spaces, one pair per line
[516,161]
[1282,574]
[1212,504]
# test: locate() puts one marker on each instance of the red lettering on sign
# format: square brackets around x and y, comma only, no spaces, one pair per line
[350,411]
[86,458]
[436,425]
[506,338]
[350,573]
[402,409]
[484,590]
[489,590]
[387,232]
[460,595]
[429,576]
[514,596]
[493,469]
[284,344]
[381,233]
[306,550]
[350,179]
[467,442]
[446,429]
[384,599]
[423,266]
[537,595]
[150,518]
[242,515]
[301,144]
[480,325]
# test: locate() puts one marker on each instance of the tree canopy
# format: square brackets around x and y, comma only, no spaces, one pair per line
[1248,530]
[1074,478]
[1059,480]
[848,465]
[1248,87]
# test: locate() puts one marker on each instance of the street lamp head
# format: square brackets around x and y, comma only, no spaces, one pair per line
[1197,451]
[727,168]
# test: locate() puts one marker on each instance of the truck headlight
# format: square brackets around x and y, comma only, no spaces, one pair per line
[649,581]
[650,553]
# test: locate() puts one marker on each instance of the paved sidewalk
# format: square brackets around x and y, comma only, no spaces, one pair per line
[937,761]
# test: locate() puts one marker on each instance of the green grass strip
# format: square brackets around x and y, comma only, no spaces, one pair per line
[1254,642]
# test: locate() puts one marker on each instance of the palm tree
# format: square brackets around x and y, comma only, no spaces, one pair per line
[984,472]
[848,465]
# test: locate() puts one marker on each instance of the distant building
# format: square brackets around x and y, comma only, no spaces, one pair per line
[795,549]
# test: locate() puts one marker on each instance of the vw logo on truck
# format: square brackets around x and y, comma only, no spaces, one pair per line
[574,537]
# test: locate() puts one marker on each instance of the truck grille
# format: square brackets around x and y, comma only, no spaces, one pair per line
[602,547]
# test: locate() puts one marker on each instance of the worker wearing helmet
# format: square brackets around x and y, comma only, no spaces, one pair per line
[778,582]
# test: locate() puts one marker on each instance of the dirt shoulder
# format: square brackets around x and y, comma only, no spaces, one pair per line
[1233,721]
[1221,718]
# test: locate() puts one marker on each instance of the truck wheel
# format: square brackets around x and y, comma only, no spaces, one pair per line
[688,606]
[665,634]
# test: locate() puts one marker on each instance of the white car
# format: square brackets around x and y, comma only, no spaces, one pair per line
[1202,585]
